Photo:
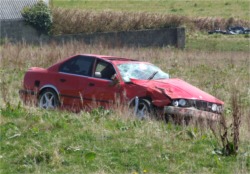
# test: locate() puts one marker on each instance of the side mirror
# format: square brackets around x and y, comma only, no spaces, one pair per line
[98,74]
[114,80]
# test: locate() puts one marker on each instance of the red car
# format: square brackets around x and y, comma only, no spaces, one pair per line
[86,81]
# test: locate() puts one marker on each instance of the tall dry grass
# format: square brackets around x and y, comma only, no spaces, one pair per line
[70,21]
[214,72]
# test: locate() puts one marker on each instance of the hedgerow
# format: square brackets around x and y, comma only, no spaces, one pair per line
[71,21]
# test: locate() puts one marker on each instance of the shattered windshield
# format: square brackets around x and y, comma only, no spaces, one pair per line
[141,71]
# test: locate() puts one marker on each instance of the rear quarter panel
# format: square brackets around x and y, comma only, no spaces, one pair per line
[35,78]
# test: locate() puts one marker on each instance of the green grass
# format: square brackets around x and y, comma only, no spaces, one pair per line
[217,42]
[37,141]
[198,8]
[70,21]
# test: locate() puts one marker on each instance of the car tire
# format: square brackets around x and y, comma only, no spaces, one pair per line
[48,99]
[144,109]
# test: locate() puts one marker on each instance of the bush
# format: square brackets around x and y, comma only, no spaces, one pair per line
[39,16]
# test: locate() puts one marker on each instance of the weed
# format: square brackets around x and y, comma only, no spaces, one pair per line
[230,135]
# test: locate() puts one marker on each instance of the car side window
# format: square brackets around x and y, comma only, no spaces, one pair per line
[80,65]
[104,70]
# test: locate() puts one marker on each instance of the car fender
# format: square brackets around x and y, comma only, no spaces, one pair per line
[50,86]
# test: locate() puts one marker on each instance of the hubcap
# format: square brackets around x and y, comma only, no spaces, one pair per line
[47,101]
[142,111]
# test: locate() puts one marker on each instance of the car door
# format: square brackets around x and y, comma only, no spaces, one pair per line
[72,79]
[101,89]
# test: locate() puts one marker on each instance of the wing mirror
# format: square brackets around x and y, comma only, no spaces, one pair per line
[114,80]
[98,74]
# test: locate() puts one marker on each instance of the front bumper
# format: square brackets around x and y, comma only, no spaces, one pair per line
[191,112]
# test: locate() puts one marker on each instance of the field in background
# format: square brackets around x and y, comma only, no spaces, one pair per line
[195,8]
[79,17]
[217,42]
[38,141]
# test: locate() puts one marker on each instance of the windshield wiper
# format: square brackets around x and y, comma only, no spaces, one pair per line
[153,75]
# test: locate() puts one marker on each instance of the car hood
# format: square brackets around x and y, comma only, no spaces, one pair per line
[177,88]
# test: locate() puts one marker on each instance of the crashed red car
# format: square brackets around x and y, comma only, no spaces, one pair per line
[87,81]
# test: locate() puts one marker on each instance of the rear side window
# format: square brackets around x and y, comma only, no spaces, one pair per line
[80,65]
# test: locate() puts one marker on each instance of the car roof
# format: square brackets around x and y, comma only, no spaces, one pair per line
[109,58]
[114,59]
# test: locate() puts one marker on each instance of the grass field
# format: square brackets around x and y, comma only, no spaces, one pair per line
[38,141]
[96,16]
[217,42]
[194,8]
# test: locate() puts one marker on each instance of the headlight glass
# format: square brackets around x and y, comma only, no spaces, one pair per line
[182,102]
[214,107]
[175,103]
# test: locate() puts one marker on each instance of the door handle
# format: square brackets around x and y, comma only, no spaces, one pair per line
[62,80]
[91,84]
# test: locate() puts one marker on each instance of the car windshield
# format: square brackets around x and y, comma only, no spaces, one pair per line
[142,71]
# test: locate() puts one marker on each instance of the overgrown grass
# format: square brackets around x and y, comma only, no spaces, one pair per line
[38,141]
[35,141]
[197,17]
[71,21]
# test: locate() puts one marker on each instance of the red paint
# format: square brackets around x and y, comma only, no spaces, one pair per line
[88,91]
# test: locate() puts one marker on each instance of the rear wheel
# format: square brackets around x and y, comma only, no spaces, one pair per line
[48,99]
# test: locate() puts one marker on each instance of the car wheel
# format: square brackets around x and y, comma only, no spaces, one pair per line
[48,99]
[144,109]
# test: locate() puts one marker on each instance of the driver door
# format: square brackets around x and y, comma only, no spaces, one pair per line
[101,89]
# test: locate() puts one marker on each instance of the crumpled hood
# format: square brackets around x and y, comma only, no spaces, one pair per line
[177,88]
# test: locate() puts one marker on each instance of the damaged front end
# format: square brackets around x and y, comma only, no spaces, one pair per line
[196,109]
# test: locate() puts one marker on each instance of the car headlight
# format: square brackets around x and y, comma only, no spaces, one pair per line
[182,102]
[214,107]
[175,103]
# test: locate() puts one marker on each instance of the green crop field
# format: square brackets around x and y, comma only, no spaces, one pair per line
[33,140]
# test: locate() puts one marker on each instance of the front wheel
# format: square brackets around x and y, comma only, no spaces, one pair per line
[143,110]
[48,99]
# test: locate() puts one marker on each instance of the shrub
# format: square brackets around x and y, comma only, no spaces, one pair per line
[39,16]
